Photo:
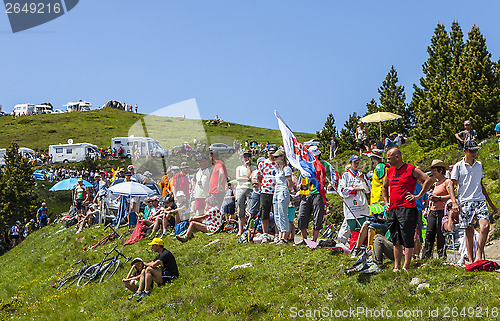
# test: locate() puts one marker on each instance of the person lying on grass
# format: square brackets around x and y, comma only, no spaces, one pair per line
[163,269]
[131,282]
[207,223]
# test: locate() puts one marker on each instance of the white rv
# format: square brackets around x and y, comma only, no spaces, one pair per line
[78,106]
[24,109]
[138,146]
[43,109]
[25,152]
[65,153]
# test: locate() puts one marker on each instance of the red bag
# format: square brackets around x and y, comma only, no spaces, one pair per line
[482,265]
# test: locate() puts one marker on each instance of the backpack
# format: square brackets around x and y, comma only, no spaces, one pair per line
[181,227]
[231,226]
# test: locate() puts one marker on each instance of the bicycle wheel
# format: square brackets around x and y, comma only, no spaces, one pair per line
[88,275]
[110,270]
[68,281]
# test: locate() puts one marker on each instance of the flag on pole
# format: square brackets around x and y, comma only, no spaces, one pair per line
[302,159]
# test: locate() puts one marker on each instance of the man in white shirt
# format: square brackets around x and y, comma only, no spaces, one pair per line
[200,183]
[467,176]
[244,187]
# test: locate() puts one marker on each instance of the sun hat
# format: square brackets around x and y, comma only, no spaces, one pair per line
[471,145]
[156,241]
[279,153]
[179,194]
[314,150]
[272,148]
[353,158]
[376,153]
[247,153]
[260,159]
[174,168]
[437,163]
[137,259]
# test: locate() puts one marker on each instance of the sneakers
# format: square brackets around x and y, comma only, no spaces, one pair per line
[281,242]
[266,238]
[374,268]
[142,295]
[184,238]
[355,252]
[134,295]
[396,270]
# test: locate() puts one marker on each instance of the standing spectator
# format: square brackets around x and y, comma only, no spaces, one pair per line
[266,175]
[312,204]
[497,134]
[353,188]
[200,183]
[136,177]
[166,187]
[465,135]
[281,197]
[218,178]
[420,224]
[81,196]
[438,200]
[15,230]
[244,187]
[180,181]
[467,176]
[228,206]
[397,190]
[41,215]
[334,146]
[362,137]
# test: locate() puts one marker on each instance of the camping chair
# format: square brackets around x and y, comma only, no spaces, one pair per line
[450,244]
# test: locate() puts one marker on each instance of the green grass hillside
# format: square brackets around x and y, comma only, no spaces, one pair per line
[99,126]
[284,282]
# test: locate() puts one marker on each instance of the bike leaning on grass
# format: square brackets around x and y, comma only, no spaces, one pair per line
[106,268]
[72,278]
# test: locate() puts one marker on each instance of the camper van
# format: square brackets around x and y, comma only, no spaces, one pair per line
[24,109]
[138,146]
[65,153]
[25,152]
[78,106]
[43,109]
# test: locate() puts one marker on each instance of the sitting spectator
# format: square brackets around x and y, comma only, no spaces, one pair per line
[381,247]
[181,212]
[373,226]
[389,141]
[154,213]
[163,269]
[164,219]
[87,219]
[207,223]
[131,282]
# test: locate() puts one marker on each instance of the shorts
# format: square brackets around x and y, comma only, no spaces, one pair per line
[14,237]
[362,144]
[402,223]
[166,277]
[353,224]
[471,210]
[311,205]
[199,204]
[266,204]
[43,222]
[79,204]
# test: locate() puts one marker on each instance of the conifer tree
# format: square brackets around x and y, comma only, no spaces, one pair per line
[347,139]
[325,136]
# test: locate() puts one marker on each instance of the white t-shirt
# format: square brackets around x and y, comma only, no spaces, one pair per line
[202,177]
[242,171]
[355,202]
[469,180]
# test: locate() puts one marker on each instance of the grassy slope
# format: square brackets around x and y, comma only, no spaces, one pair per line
[281,278]
[99,126]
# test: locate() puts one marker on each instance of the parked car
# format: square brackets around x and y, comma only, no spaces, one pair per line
[40,174]
[221,148]
[112,201]
[312,142]
[57,111]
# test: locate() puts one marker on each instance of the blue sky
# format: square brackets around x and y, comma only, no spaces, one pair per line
[237,59]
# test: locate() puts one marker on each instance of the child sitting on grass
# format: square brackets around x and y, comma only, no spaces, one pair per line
[207,223]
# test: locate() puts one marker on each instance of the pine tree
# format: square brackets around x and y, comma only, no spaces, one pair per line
[372,128]
[475,93]
[325,136]
[429,101]
[347,137]
[16,195]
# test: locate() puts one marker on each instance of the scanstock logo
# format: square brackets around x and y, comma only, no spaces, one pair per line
[26,14]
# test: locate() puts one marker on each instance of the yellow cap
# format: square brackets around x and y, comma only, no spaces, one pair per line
[156,241]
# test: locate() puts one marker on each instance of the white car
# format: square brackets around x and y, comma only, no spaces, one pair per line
[57,111]
[221,148]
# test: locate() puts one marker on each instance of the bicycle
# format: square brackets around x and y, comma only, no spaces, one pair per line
[114,234]
[107,267]
[72,278]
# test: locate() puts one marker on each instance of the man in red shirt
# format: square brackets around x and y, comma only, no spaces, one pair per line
[180,181]
[218,179]
[397,190]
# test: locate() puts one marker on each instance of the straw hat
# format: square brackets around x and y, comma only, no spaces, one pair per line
[437,163]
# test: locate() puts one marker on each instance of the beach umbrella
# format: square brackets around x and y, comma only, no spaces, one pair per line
[380,117]
[131,189]
[68,184]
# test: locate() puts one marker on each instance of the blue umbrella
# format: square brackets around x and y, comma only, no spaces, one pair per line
[68,184]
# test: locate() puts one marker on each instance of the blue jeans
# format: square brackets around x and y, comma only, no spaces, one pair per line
[254,203]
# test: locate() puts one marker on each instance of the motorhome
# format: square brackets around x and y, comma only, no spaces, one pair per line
[138,147]
[78,106]
[25,152]
[24,109]
[43,109]
[65,153]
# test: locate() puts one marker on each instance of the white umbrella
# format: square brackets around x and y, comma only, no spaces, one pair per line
[379,118]
[131,189]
